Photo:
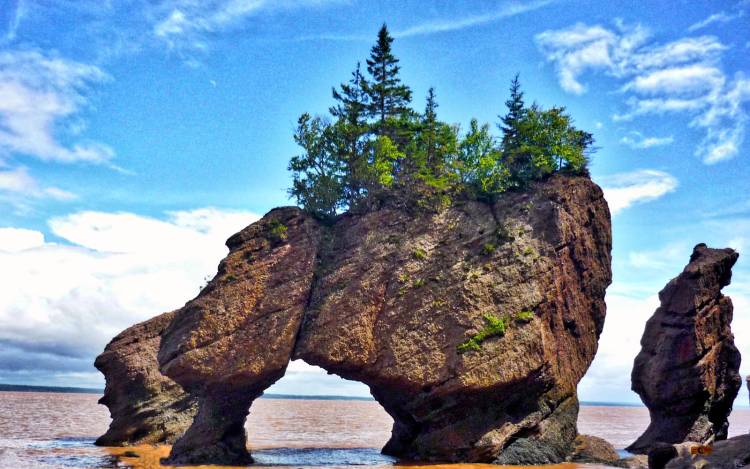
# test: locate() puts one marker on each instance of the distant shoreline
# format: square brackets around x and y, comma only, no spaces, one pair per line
[73,390]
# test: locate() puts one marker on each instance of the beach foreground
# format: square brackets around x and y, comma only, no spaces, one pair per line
[58,430]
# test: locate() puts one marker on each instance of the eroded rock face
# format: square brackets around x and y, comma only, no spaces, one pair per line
[386,298]
[235,339]
[395,296]
[146,406]
[687,370]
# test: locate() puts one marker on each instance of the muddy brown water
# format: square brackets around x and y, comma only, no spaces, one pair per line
[50,430]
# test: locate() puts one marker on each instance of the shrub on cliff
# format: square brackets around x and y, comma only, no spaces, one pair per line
[375,147]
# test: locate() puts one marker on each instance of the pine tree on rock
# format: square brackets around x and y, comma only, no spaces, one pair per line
[430,128]
[517,160]
[351,114]
[388,96]
[511,120]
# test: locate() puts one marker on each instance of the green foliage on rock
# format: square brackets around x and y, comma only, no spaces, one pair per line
[419,254]
[375,148]
[277,232]
[523,316]
[496,327]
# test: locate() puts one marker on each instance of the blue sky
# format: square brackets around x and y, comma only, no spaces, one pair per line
[135,136]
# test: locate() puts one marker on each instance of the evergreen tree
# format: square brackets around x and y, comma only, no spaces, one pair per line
[517,161]
[351,126]
[351,100]
[388,96]
[510,121]
[430,129]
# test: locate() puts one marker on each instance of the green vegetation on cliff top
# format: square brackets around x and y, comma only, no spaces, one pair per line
[375,147]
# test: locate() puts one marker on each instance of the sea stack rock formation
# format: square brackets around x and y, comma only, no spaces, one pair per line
[472,327]
[687,370]
[146,406]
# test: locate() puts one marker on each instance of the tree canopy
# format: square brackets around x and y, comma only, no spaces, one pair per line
[375,147]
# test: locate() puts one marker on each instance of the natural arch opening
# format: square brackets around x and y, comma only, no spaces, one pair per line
[310,417]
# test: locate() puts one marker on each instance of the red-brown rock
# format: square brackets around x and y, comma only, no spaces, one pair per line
[146,406]
[386,298]
[687,370]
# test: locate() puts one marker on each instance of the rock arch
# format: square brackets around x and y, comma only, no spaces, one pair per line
[386,298]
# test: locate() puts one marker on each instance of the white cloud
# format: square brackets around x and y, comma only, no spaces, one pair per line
[608,379]
[454,24]
[19,239]
[609,375]
[17,187]
[16,14]
[721,17]
[638,141]
[186,24]
[691,79]
[576,49]
[668,256]
[626,189]
[37,93]
[682,76]
[68,300]
[703,49]
[725,121]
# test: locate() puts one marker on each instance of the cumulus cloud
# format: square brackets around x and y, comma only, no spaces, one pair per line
[115,269]
[19,239]
[638,141]
[684,76]
[38,92]
[626,189]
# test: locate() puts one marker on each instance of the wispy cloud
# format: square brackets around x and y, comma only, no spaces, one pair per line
[19,181]
[721,17]
[443,25]
[38,92]
[20,190]
[626,189]
[186,25]
[16,12]
[685,76]
[664,257]
[638,141]
[454,24]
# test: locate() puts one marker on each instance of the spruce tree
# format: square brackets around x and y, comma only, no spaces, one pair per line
[516,158]
[511,120]
[430,128]
[350,111]
[351,100]
[388,96]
